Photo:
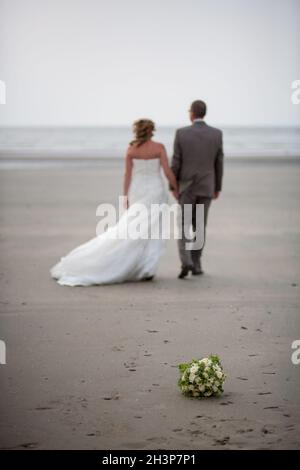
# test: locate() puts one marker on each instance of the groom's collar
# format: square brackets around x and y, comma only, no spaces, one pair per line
[198,121]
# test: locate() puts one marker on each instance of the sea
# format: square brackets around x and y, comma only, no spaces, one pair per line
[47,146]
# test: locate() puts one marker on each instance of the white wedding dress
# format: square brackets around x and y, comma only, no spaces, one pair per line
[107,258]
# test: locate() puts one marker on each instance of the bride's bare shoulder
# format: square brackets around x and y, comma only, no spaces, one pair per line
[130,149]
[158,145]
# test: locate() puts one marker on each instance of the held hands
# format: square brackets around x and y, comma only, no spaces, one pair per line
[175,193]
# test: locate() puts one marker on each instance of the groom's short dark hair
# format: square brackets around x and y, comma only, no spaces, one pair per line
[198,108]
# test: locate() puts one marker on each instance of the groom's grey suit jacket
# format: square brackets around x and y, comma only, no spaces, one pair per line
[198,159]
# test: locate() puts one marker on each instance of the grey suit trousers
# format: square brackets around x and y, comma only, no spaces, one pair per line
[191,257]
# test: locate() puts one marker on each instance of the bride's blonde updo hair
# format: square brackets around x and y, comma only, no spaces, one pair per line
[143,130]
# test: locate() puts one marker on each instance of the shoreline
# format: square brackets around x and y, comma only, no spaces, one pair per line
[45,161]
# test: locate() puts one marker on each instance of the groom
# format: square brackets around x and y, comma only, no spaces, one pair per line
[198,167]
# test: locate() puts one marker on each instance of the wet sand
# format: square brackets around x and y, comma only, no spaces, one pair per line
[95,368]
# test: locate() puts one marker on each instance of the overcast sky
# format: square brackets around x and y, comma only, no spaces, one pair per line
[95,62]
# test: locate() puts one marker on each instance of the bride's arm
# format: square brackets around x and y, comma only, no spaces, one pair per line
[168,171]
[127,175]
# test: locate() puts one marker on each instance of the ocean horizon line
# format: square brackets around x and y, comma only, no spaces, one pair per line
[129,126]
[75,143]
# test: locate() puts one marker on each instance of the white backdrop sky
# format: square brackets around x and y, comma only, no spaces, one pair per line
[108,62]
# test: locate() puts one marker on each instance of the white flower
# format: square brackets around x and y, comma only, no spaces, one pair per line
[205,375]
[191,387]
[204,360]
[201,388]
[215,388]
[196,394]
[192,377]
[194,369]
[219,374]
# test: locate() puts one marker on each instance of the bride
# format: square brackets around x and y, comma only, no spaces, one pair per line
[106,258]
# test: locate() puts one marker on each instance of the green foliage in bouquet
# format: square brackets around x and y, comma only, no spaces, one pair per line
[202,377]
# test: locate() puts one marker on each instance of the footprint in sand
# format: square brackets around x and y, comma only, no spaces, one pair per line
[196,432]
[266,430]
[158,440]
[131,366]
[117,348]
[29,445]
[43,408]
[222,441]
[116,396]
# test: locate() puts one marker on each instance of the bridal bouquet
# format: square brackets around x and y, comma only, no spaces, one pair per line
[202,377]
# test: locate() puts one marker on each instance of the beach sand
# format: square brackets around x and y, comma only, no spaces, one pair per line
[95,367]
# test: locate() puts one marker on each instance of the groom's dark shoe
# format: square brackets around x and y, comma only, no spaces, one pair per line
[148,278]
[184,271]
[197,269]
